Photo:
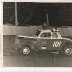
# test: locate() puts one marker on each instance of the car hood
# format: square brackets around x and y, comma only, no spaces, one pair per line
[32,37]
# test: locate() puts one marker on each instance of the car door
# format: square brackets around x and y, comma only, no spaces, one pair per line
[41,42]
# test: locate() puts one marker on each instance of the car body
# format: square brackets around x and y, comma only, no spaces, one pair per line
[45,40]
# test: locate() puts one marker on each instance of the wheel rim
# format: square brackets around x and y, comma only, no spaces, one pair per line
[26,50]
[68,51]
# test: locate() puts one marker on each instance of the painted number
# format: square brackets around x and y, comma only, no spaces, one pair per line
[57,43]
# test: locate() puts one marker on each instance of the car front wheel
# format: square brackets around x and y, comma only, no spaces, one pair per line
[25,50]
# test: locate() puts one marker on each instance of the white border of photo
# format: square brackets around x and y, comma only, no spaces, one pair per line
[27,69]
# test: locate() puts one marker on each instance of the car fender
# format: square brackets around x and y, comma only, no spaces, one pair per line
[67,44]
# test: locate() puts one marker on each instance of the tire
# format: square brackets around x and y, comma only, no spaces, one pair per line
[67,51]
[26,50]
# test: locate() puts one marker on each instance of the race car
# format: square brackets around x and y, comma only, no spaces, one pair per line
[44,40]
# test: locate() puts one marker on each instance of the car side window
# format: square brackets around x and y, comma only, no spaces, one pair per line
[54,35]
[46,35]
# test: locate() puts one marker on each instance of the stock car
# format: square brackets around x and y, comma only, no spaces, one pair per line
[44,40]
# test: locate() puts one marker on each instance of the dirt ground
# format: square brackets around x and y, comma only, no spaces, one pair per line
[12,58]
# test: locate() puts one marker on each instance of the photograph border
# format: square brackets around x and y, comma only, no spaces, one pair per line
[28,69]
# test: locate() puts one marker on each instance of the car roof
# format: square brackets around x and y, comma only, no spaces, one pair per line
[44,30]
[48,30]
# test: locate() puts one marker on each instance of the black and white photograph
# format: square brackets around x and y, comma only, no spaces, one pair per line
[37,34]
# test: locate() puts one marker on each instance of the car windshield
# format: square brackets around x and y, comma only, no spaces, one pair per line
[37,33]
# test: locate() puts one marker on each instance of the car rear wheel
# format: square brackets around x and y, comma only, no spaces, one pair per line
[67,51]
[25,50]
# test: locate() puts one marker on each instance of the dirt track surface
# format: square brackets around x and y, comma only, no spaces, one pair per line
[13,58]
